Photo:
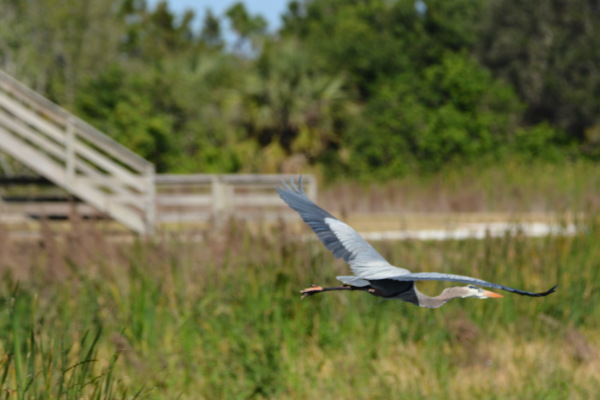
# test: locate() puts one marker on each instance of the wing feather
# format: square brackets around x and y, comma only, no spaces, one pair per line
[338,237]
[353,281]
[436,276]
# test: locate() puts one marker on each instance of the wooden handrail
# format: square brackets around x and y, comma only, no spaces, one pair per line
[76,156]
[234,179]
[61,118]
[188,198]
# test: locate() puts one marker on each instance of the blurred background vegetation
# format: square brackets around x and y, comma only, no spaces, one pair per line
[447,106]
[372,89]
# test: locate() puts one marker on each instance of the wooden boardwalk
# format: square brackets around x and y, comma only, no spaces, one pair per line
[109,180]
[199,197]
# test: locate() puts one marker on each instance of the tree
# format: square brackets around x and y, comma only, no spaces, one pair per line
[548,50]
[290,107]
[55,45]
[155,35]
[374,40]
[123,105]
[211,31]
[452,111]
[248,28]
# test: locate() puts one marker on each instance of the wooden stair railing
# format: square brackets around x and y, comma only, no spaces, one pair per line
[75,156]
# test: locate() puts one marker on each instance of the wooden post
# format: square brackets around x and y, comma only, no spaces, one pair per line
[312,188]
[150,209]
[222,199]
[70,156]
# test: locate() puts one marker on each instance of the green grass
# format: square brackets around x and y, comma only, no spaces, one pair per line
[217,315]
[39,362]
[221,318]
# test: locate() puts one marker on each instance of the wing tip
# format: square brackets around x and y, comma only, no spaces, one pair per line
[549,291]
[290,186]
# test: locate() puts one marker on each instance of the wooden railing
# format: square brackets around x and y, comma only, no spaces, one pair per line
[115,181]
[76,156]
[192,198]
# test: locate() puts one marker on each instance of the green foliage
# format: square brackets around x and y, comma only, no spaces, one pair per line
[151,35]
[375,40]
[47,44]
[126,108]
[211,30]
[246,26]
[207,138]
[290,107]
[548,51]
[38,365]
[591,144]
[540,143]
[452,111]
[371,87]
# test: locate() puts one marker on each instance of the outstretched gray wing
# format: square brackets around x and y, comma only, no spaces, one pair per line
[343,241]
[436,276]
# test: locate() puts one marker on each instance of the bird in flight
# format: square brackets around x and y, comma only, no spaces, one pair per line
[372,272]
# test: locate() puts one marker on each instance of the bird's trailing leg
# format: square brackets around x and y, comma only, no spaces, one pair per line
[314,289]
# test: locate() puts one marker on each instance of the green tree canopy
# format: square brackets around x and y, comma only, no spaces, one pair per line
[452,111]
[375,40]
[372,88]
[549,51]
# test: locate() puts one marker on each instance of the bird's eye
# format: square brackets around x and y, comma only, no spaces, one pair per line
[474,287]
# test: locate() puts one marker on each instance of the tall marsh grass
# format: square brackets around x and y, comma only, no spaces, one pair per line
[512,187]
[218,316]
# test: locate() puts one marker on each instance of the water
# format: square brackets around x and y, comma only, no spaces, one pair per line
[476,231]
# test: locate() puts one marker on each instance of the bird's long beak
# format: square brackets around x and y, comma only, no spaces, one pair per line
[487,293]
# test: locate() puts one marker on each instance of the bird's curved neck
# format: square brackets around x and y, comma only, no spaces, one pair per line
[437,301]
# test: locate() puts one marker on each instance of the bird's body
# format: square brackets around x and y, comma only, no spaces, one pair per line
[373,273]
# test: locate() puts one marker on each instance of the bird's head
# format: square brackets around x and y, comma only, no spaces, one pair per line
[477,292]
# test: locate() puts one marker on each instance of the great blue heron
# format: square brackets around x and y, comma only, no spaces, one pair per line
[373,273]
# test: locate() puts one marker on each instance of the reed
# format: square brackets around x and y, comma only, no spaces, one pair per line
[512,187]
[217,315]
